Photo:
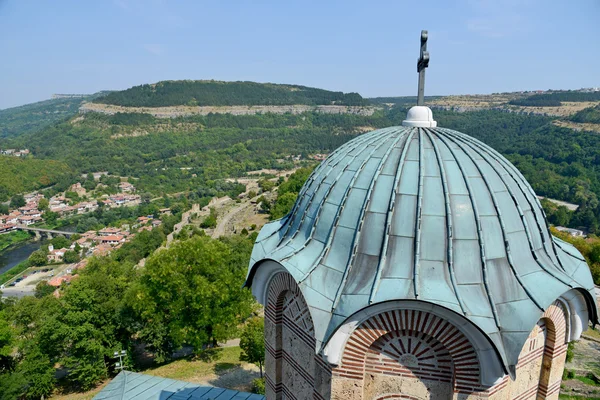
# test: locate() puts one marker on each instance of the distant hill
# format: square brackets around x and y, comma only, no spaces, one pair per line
[216,93]
[31,117]
[555,99]
[589,115]
[19,175]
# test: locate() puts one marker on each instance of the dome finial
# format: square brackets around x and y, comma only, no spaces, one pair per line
[422,63]
[421,116]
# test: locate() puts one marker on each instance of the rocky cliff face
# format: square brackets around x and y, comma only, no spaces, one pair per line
[186,111]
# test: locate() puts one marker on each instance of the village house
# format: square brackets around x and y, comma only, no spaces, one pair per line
[126,187]
[33,198]
[165,211]
[77,188]
[58,280]
[28,220]
[4,228]
[55,255]
[85,243]
[102,250]
[112,240]
[12,218]
[108,231]
[143,220]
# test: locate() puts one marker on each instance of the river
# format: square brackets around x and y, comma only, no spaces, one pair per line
[17,254]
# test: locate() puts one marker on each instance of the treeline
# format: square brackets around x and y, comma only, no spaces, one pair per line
[590,115]
[555,99]
[217,93]
[187,295]
[18,175]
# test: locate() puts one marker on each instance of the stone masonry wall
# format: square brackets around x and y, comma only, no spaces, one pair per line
[292,369]
[400,354]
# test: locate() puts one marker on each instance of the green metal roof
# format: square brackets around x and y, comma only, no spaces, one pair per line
[425,214]
[134,386]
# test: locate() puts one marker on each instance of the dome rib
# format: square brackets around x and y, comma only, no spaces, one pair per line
[358,232]
[471,144]
[479,234]
[390,209]
[419,218]
[340,156]
[310,236]
[526,192]
[341,207]
[509,257]
[449,250]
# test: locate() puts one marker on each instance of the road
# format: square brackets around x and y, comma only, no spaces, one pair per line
[223,224]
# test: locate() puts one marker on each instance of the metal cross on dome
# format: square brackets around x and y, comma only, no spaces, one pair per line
[422,63]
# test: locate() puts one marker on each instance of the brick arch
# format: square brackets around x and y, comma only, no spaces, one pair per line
[555,350]
[457,357]
[292,369]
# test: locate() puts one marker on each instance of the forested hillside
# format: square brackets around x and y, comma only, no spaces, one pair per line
[32,117]
[589,115]
[196,153]
[216,93]
[23,175]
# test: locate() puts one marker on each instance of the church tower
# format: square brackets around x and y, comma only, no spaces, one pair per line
[417,263]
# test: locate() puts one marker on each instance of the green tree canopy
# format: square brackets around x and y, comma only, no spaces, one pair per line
[191,293]
[252,343]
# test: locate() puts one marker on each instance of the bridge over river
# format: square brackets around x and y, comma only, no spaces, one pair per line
[47,232]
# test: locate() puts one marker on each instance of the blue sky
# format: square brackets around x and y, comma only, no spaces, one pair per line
[371,47]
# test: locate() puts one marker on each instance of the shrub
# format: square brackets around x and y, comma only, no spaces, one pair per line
[258,385]
[568,374]
[570,351]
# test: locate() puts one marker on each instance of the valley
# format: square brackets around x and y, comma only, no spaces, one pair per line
[167,186]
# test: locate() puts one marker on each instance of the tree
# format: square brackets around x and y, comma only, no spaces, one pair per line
[60,242]
[43,204]
[17,201]
[191,293]
[211,220]
[3,209]
[252,343]
[38,258]
[70,257]
[50,217]
[42,289]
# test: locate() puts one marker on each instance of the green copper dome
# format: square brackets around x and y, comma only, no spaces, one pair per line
[426,214]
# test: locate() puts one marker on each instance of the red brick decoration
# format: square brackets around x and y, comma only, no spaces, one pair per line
[541,361]
[412,344]
[408,344]
[292,369]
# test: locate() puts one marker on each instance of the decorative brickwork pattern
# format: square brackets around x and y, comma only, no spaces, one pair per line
[411,346]
[541,361]
[292,369]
